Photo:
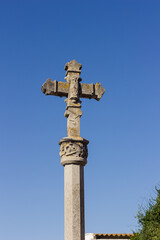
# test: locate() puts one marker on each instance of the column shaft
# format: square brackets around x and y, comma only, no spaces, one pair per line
[74,202]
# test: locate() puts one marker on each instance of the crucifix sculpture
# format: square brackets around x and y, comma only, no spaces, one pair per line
[73,148]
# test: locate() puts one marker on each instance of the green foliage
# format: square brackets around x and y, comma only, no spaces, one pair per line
[149,220]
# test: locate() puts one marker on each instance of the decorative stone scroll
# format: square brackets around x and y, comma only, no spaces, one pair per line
[73,151]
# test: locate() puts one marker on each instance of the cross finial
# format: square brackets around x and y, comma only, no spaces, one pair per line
[73,66]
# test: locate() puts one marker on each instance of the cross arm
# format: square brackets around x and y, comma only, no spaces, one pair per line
[61,89]
[95,91]
[55,88]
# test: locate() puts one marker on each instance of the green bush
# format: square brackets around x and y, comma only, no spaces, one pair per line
[149,220]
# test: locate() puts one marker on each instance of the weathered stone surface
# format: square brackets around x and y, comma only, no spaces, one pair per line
[92,91]
[74,202]
[73,149]
[73,66]
[61,89]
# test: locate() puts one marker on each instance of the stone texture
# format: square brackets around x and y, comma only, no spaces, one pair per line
[61,89]
[73,66]
[74,202]
[73,149]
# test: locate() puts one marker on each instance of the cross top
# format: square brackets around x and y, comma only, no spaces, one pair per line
[73,90]
[73,66]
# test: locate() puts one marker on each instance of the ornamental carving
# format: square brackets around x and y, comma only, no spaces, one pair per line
[73,152]
[76,149]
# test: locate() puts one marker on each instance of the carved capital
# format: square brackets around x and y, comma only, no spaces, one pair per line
[73,151]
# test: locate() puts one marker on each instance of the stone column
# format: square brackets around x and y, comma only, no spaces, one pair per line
[73,152]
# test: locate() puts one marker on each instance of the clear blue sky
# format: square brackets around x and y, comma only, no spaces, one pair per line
[118,44]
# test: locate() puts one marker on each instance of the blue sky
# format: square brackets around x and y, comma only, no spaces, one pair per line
[117,42]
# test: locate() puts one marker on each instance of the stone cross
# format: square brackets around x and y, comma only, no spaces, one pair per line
[73,148]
